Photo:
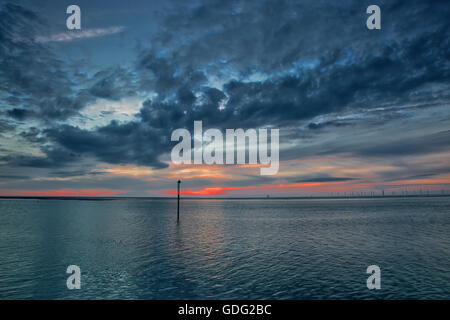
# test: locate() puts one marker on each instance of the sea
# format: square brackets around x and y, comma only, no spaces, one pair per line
[134,248]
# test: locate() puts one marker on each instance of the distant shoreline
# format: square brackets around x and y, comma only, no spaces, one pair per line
[219,198]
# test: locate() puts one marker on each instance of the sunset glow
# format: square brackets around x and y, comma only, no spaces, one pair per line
[355,111]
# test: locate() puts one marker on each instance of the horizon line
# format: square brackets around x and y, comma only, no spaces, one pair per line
[219,198]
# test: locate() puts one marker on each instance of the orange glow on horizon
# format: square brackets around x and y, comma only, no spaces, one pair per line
[221,190]
[312,187]
[206,191]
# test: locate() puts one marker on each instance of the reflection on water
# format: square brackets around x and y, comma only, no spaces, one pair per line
[225,249]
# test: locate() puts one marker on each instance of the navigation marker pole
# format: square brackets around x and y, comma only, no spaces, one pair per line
[178,202]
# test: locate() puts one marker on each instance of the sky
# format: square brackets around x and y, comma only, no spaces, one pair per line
[90,112]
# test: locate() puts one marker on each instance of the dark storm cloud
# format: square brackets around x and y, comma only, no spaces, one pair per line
[5,126]
[33,135]
[112,84]
[272,35]
[237,64]
[120,144]
[37,82]
[17,113]
[373,69]
[29,72]
[55,156]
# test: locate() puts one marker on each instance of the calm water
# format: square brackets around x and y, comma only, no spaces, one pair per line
[225,249]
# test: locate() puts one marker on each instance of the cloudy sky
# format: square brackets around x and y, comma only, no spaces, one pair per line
[91,111]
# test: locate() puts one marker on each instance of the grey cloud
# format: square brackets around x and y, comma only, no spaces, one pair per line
[41,85]
[315,125]
[5,126]
[115,143]
[324,179]
[281,63]
[75,173]
[406,147]
[112,84]
[54,157]
[13,177]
